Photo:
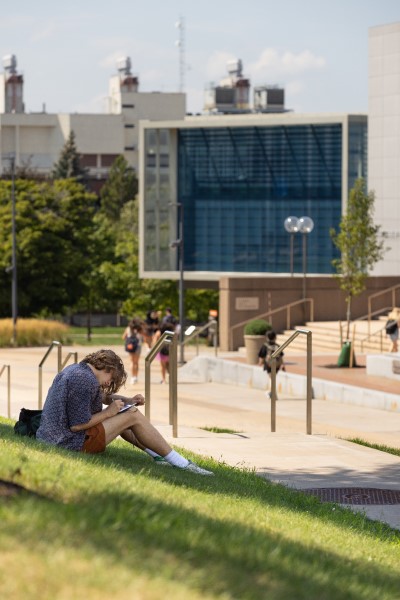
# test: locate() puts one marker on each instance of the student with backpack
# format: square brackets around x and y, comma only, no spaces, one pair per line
[133,345]
[266,351]
[163,355]
[392,329]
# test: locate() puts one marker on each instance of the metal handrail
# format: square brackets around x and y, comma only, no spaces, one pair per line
[391,289]
[196,333]
[286,307]
[8,388]
[170,338]
[371,335]
[274,356]
[50,348]
[74,354]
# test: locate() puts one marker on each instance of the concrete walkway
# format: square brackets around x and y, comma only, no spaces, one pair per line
[289,456]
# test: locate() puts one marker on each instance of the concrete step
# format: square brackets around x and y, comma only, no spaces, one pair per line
[326,336]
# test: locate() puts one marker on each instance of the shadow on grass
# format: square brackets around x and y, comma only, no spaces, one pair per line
[222,557]
[234,482]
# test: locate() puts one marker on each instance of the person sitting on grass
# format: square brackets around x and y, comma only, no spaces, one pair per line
[73,416]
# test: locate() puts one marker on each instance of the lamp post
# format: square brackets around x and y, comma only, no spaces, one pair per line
[13,267]
[306,225]
[292,226]
[179,244]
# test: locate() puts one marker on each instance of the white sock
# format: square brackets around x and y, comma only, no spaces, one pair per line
[176,459]
[151,453]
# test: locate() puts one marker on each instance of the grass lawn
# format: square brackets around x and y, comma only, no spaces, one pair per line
[118,525]
[100,336]
[109,336]
[382,447]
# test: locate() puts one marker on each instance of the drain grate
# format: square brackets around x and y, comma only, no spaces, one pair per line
[355,495]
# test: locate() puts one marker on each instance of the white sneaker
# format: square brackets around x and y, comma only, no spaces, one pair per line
[160,460]
[133,380]
[193,468]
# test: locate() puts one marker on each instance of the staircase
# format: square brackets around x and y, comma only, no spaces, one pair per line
[326,337]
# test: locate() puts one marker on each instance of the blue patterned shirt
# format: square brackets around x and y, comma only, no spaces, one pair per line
[74,396]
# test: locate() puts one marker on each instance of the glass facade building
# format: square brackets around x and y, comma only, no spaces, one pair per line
[234,185]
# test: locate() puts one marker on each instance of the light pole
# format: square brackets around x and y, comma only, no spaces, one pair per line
[179,244]
[13,267]
[292,226]
[306,225]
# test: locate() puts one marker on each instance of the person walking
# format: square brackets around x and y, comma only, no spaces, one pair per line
[151,324]
[264,356]
[392,329]
[73,416]
[163,354]
[133,345]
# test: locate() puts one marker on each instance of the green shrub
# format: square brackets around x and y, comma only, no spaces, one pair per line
[257,327]
[33,332]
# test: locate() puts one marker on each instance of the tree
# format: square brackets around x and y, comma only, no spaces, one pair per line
[55,224]
[68,164]
[120,187]
[359,242]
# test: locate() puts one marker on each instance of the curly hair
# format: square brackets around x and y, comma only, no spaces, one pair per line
[107,360]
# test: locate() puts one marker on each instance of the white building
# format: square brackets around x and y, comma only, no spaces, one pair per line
[36,139]
[384,138]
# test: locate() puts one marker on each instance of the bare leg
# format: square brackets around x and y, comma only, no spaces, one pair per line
[142,429]
[163,372]
[130,437]
[135,363]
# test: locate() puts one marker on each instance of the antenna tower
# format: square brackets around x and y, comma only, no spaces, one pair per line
[180,42]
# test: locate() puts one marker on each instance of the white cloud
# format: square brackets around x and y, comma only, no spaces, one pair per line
[273,64]
[44,32]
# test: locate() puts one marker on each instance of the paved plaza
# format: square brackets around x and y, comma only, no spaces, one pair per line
[324,460]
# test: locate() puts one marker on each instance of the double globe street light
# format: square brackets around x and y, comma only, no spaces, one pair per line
[304,225]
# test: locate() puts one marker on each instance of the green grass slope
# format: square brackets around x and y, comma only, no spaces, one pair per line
[118,524]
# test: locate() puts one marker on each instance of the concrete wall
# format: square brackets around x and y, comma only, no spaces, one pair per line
[384,137]
[207,369]
[246,298]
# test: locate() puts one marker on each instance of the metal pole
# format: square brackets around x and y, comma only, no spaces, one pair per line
[147,374]
[9,391]
[304,263]
[291,254]
[273,394]
[173,386]
[14,298]
[181,289]
[309,382]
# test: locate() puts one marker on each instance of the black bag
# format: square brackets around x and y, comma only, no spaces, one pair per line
[268,361]
[131,343]
[28,422]
[391,326]
[164,350]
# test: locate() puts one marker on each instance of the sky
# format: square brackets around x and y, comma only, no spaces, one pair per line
[316,49]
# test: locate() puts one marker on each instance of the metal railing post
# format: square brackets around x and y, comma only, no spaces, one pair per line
[274,356]
[59,349]
[173,386]
[196,333]
[309,382]
[8,388]
[147,387]
[166,338]
[74,354]
[273,394]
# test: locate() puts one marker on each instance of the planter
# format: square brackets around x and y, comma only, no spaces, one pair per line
[253,344]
